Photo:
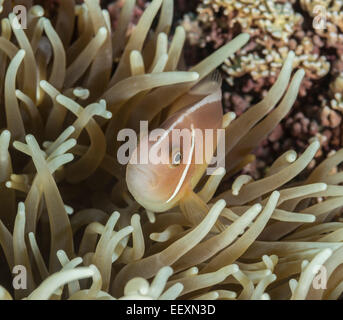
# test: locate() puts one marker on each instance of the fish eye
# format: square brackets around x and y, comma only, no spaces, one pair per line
[176,158]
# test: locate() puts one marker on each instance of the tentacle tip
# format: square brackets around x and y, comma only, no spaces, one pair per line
[221,171]
[276,194]
[291,54]
[70,130]
[69,210]
[6,134]
[245,36]
[21,208]
[29,138]
[258,206]
[153,236]
[103,32]
[312,218]
[60,252]
[136,216]
[108,115]
[103,102]
[233,268]
[180,28]
[169,270]
[194,76]
[43,83]
[291,157]
[116,215]
[21,53]
[37,10]
[233,115]
[135,53]
[315,143]
[324,186]
[221,203]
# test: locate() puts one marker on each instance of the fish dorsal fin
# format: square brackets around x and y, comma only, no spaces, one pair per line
[208,85]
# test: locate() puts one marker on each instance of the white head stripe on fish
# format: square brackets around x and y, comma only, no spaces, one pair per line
[184,173]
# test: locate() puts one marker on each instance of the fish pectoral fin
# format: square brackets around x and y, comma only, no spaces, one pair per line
[195,209]
[211,83]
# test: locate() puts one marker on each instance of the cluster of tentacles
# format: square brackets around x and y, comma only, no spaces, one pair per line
[71,84]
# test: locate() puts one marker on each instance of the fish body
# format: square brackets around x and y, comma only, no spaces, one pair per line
[177,154]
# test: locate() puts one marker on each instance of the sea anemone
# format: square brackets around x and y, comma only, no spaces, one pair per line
[67,218]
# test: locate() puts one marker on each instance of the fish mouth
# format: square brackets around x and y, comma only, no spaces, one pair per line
[143,176]
[143,184]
